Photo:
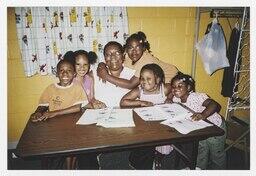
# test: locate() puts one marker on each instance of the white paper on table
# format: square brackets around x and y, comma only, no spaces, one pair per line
[172,108]
[118,118]
[162,112]
[91,116]
[186,125]
[151,113]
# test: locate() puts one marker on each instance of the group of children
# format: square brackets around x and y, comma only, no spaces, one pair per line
[138,79]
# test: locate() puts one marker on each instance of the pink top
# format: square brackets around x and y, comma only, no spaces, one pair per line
[195,102]
[87,86]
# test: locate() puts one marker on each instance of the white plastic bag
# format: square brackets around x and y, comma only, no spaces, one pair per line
[212,49]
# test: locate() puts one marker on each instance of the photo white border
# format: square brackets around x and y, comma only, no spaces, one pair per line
[180,3]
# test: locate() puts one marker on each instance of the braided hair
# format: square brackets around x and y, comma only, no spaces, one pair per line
[140,37]
[187,79]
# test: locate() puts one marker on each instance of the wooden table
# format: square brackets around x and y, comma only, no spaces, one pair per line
[61,136]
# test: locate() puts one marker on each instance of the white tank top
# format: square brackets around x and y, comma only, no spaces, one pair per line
[154,98]
[157,99]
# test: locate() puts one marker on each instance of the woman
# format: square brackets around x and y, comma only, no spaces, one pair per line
[138,54]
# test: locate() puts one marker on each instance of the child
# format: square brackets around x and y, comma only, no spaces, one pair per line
[211,152]
[63,98]
[151,91]
[82,61]
[138,54]
[60,98]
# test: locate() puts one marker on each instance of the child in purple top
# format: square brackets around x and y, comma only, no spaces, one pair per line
[82,61]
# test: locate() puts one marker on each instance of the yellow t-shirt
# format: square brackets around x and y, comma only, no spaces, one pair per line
[169,70]
[58,97]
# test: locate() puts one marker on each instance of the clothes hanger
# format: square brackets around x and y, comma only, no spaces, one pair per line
[215,20]
[237,26]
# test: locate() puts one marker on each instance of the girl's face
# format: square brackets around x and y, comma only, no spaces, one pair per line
[66,73]
[114,58]
[82,65]
[135,50]
[148,81]
[180,89]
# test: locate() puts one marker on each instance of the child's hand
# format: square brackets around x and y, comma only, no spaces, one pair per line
[168,100]
[35,116]
[45,116]
[98,104]
[146,103]
[102,71]
[197,117]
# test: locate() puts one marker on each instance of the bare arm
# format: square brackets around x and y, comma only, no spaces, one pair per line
[50,114]
[95,104]
[211,107]
[38,113]
[131,99]
[124,83]
[168,92]
[92,85]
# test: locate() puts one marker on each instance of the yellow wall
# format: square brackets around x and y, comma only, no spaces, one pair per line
[23,92]
[170,32]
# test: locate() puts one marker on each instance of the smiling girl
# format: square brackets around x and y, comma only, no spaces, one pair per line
[211,153]
[152,90]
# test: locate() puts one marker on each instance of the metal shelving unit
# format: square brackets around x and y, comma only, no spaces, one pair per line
[240,98]
[238,129]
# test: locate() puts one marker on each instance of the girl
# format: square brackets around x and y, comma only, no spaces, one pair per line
[211,152]
[82,61]
[138,54]
[151,91]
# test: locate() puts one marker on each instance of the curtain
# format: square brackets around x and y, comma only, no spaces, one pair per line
[46,33]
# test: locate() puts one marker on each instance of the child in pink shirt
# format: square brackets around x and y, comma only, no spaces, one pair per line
[211,153]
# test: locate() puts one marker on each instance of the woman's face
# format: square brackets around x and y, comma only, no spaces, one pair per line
[114,58]
[135,50]
[82,65]
[148,80]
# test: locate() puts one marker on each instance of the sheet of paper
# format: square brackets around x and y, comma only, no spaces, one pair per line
[91,116]
[151,113]
[186,125]
[174,111]
[118,118]
[162,112]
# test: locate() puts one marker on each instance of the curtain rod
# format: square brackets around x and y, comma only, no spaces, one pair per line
[227,13]
[223,12]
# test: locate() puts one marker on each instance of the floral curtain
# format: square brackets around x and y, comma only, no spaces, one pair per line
[46,33]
